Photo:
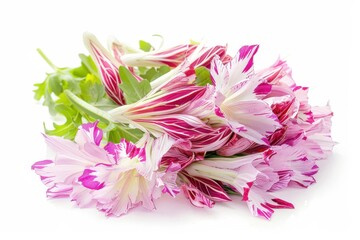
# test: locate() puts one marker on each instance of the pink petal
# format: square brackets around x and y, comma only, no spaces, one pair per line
[234,146]
[82,196]
[262,203]
[89,181]
[252,119]
[208,187]
[195,197]
[171,57]
[59,190]
[108,68]
[89,132]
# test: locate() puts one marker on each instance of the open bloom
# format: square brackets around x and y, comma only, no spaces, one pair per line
[239,94]
[114,178]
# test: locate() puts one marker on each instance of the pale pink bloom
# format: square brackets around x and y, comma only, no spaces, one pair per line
[115,178]
[280,166]
[62,173]
[239,94]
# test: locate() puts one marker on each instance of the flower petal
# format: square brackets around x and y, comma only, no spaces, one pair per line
[262,203]
[171,57]
[208,187]
[196,198]
[252,119]
[107,66]
[89,132]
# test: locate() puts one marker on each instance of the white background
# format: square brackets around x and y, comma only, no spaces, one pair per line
[317,38]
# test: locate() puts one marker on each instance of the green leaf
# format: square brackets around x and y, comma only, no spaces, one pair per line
[55,83]
[145,46]
[92,91]
[40,90]
[154,73]
[69,128]
[118,133]
[193,42]
[114,136]
[89,64]
[203,76]
[78,95]
[87,108]
[133,89]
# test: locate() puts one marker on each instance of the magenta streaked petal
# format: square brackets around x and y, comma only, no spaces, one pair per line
[234,146]
[181,157]
[169,180]
[233,76]
[155,150]
[262,89]
[205,56]
[208,187]
[41,164]
[284,178]
[125,149]
[304,171]
[171,57]
[89,181]
[212,141]
[252,119]
[277,74]
[180,126]
[262,203]
[246,175]
[195,197]
[89,132]
[247,53]
[108,68]
[172,101]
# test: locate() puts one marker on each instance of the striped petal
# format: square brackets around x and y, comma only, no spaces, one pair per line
[171,57]
[230,77]
[108,68]
[251,119]
[196,197]
[241,177]
[262,203]
[208,187]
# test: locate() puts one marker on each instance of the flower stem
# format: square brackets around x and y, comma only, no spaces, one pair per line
[47,60]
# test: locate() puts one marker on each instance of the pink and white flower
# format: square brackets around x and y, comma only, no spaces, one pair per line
[246,133]
[238,99]
[114,178]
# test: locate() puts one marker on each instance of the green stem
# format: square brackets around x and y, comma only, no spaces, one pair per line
[47,60]
[97,113]
[87,108]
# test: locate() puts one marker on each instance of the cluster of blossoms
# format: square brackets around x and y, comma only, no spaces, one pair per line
[208,127]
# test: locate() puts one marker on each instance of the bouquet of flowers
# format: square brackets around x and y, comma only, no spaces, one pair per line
[191,119]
